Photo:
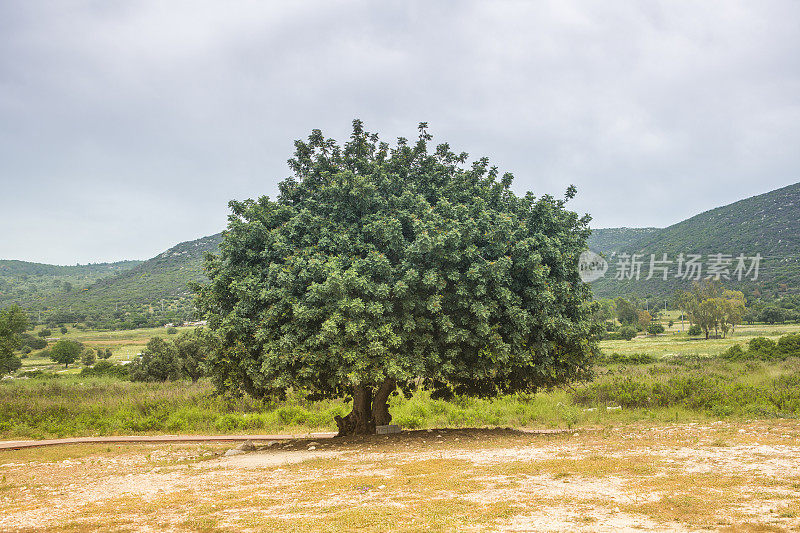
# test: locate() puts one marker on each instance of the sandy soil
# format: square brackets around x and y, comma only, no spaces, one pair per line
[688,477]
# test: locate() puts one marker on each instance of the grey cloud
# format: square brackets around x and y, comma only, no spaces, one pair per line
[126,127]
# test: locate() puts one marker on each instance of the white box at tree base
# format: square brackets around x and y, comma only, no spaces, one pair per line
[385,430]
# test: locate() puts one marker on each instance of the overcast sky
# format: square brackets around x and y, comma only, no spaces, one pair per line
[125,127]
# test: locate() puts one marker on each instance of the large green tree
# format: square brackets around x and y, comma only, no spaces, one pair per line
[13,322]
[380,266]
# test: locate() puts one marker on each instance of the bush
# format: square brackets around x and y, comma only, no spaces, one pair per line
[33,342]
[789,345]
[106,368]
[764,349]
[627,332]
[172,331]
[695,330]
[158,362]
[88,357]
[655,329]
[734,353]
[628,359]
[761,344]
[45,333]
[63,330]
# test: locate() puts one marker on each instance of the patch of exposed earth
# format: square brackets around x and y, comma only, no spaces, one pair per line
[681,477]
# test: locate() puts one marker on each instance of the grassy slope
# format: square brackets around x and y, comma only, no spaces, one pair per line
[768,224]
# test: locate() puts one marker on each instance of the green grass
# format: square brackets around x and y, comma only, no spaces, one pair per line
[71,405]
[677,344]
[685,381]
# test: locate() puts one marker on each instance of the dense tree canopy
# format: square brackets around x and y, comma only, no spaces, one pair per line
[379,266]
[169,360]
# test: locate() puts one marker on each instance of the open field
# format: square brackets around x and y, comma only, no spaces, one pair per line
[686,382]
[677,344]
[678,477]
[124,345]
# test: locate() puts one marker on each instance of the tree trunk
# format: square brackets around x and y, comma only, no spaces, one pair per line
[359,421]
[368,411]
[380,406]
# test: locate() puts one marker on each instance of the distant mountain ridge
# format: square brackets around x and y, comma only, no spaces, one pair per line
[129,293]
[613,239]
[767,224]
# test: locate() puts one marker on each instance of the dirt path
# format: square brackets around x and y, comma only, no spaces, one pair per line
[129,439]
[683,477]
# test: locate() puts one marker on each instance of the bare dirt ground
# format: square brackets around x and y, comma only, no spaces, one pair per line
[683,477]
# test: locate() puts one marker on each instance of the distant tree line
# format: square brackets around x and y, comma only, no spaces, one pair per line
[624,319]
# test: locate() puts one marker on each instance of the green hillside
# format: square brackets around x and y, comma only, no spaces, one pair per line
[147,294]
[30,284]
[767,224]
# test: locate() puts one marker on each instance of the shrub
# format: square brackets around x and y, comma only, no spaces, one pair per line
[627,332]
[88,357]
[158,362]
[106,368]
[33,342]
[627,359]
[695,330]
[45,333]
[761,344]
[172,331]
[63,330]
[734,353]
[655,329]
[789,345]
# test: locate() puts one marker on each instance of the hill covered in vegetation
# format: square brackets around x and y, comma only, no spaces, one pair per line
[147,293]
[767,224]
[30,284]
